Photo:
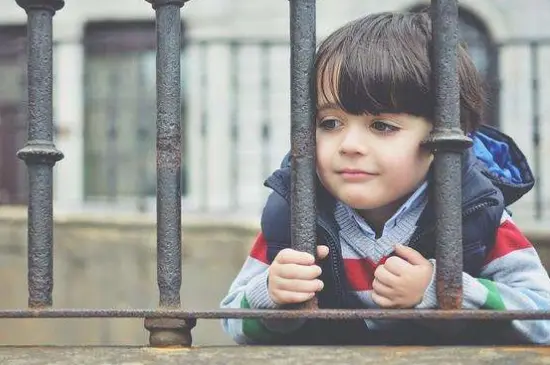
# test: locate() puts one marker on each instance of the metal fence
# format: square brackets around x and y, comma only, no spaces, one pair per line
[169,324]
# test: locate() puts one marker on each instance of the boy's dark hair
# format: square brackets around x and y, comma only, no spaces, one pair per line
[381,64]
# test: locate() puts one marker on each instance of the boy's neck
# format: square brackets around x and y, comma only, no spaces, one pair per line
[377,217]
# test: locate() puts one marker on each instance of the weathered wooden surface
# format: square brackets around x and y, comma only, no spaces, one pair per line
[274,355]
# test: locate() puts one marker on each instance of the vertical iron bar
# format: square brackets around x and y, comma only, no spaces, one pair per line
[234,134]
[535,105]
[448,142]
[112,157]
[166,331]
[303,199]
[39,153]
[204,122]
[266,108]
[168,155]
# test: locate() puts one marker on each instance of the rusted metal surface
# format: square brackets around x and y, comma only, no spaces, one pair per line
[402,314]
[275,355]
[447,142]
[170,331]
[39,153]
[169,252]
[302,52]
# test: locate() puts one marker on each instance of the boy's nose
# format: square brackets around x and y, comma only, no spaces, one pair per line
[353,143]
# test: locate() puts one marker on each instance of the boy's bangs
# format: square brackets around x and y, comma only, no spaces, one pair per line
[374,77]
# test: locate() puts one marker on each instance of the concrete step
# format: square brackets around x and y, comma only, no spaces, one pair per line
[254,355]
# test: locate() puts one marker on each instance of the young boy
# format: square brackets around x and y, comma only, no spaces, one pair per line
[375,214]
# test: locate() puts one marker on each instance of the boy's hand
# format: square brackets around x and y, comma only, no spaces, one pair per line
[293,276]
[402,281]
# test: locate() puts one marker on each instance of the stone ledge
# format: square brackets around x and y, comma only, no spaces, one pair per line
[274,355]
[215,221]
[537,231]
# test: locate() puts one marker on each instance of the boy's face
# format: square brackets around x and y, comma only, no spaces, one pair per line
[371,163]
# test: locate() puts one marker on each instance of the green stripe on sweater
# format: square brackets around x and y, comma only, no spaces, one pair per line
[494,300]
[254,328]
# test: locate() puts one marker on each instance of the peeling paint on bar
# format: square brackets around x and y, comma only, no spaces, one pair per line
[303,209]
[166,331]
[448,142]
[40,153]
[179,314]
[302,53]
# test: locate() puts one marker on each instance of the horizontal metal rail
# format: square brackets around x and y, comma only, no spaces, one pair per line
[402,314]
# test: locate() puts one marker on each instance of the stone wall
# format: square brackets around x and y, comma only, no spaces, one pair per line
[110,262]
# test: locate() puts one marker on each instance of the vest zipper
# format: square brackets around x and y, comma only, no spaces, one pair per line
[334,253]
[465,213]
[477,207]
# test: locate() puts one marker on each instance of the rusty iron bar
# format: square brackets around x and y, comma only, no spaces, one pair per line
[448,143]
[164,314]
[39,153]
[302,52]
[303,208]
[169,331]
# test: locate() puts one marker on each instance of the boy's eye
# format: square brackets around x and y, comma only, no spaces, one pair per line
[383,127]
[329,124]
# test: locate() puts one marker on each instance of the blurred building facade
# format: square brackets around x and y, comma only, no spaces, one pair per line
[235,96]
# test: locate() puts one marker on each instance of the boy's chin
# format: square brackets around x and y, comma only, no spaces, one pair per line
[363,204]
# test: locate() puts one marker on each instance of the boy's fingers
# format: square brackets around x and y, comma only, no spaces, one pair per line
[322,252]
[411,255]
[290,256]
[385,277]
[300,286]
[289,297]
[396,265]
[381,301]
[381,289]
[301,272]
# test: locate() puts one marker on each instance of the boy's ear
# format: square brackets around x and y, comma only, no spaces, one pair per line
[425,147]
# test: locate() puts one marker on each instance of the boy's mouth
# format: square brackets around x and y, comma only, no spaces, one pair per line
[350,174]
[354,171]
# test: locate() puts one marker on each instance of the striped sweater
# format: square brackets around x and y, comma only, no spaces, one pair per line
[512,278]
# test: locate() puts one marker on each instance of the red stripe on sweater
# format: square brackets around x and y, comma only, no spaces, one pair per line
[259,249]
[360,273]
[508,239]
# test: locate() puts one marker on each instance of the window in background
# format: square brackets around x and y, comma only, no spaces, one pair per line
[120,112]
[13,114]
